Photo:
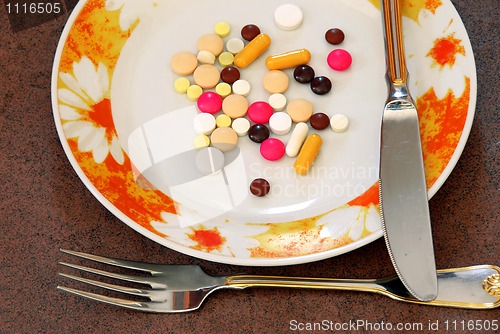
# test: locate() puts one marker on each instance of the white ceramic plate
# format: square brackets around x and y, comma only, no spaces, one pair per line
[129,135]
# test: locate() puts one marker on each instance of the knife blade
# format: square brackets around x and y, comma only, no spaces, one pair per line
[403,191]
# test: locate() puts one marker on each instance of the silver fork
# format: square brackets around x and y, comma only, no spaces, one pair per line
[182,288]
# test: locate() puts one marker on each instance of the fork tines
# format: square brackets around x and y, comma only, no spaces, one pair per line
[157,292]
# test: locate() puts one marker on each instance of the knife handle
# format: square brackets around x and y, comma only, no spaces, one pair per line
[396,65]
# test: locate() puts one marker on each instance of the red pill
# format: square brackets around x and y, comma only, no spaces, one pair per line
[339,60]
[209,102]
[260,112]
[272,149]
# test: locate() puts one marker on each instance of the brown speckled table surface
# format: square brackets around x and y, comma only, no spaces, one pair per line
[44,206]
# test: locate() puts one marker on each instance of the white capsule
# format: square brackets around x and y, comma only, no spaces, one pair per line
[277,101]
[339,122]
[280,123]
[235,45]
[241,126]
[297,138]
[204,123]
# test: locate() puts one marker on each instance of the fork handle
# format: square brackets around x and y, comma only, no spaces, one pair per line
[246,281]
[393,28]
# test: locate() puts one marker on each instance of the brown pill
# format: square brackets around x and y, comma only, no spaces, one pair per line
[334,36]
[206,76]
[319,121]
[230,74]
[260,187]
[184,63]
[300,110]
[212,43]
[224,139]
[249,32]
[275,81]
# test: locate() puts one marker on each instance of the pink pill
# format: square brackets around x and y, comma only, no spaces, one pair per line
[272,149]
[339,60]
[209,102]
[260,112]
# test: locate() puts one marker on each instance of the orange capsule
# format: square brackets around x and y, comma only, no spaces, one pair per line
[288,59]
[308,154]
[252,51]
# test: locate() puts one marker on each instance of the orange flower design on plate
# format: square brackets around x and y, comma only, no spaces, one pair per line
[445,50]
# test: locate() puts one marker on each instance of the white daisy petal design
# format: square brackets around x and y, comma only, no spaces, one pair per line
[116,150]
[103,80]
[338,222]
[441,57]
[70,81]
[78,129]
[87,77]
[112,5]
[131,10]
[357,228]
[92,141]
[372,220]
[238,242]
[70,98]
[350,220]
[101,150]
[69,113]
[85,110]
[457,80]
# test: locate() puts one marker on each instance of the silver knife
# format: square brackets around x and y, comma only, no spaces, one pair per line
[403,191]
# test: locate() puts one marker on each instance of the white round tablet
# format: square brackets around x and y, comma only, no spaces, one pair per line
[277,101]
[280,123]
[241,126]
[339,122]
[204,123]
[235,45]
[241,87]
[288,17]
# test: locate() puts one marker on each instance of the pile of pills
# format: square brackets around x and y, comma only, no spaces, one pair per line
[221,95]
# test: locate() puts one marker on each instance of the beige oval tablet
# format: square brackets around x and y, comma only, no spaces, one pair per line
[235,106]
[275,81]
[206,57]
[300,110]
[184,63]
[212,43]
[206,76]
[225,139]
